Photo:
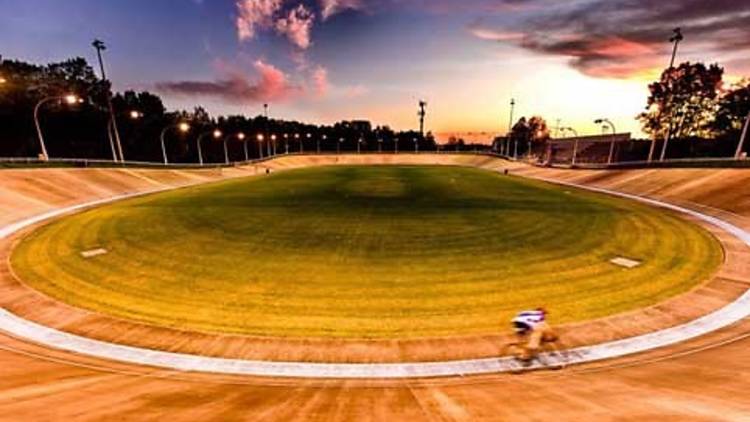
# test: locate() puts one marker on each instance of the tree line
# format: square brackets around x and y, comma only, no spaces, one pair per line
[80,130]
[691,105]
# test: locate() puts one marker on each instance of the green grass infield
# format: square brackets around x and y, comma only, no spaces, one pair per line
[366,252]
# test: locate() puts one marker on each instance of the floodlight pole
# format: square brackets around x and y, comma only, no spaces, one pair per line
[741,145]
[100,46]
[266,134]
[676,39]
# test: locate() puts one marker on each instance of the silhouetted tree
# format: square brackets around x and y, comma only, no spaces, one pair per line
[683,101]
[733,108]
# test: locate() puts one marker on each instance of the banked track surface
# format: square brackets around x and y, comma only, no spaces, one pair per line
[49,337]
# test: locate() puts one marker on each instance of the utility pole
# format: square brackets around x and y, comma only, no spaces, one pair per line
[100,46]
[265,135]
[422,114]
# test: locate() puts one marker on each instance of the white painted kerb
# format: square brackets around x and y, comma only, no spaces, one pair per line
[50,337]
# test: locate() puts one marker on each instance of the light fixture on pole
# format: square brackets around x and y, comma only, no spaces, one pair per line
[266,132]
[575,144]
[607,122]
[241,136]
[69,99]
[216,134]
[260,139]
[182,127]
[273,139]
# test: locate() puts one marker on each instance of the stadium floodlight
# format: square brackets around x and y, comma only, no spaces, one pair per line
[182,127]
[675,39]
[70,99]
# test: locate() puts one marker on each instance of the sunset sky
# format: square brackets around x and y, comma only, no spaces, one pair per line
[328,60]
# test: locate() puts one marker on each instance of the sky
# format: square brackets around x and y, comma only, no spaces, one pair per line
[323,61]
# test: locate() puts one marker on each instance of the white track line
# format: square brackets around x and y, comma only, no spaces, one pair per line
[53,338]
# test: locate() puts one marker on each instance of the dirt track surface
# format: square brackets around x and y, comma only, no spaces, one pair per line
[703,379]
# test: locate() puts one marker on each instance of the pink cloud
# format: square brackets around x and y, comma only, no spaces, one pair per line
[268,84]
[332,7]
[255,14]
[296,26]
[493,35]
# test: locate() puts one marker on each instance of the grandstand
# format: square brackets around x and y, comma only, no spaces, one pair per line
[582,150]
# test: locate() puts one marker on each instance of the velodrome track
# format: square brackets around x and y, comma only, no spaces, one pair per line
[702,378]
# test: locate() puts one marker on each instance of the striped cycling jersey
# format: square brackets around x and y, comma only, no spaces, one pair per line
[530,318]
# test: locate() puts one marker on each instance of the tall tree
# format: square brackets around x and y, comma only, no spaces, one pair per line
[733,109]
[683,101]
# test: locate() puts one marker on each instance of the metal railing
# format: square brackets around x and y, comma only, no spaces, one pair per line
[11,162]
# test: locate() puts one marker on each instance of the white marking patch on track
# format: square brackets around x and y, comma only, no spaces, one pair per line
[94,253]
[625,262]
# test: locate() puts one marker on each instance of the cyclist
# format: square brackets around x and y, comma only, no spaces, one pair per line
[532,329]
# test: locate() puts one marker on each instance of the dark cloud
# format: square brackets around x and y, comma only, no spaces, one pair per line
[618,38]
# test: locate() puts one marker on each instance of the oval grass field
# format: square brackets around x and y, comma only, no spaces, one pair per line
[366,252]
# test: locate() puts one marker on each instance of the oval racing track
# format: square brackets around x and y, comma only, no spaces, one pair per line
[49,337]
